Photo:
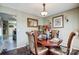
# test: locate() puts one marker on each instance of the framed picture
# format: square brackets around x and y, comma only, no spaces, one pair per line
[32,22]
[58,21]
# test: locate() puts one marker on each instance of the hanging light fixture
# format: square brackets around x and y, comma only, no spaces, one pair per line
[44,13]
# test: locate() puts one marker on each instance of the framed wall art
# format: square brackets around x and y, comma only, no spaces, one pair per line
[32,22]
[58,21]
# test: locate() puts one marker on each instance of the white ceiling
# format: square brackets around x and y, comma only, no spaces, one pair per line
[36,8]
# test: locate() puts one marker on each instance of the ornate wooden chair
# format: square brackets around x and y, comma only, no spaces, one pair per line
[34,48]
[55,37]
[55,33]
[63,50]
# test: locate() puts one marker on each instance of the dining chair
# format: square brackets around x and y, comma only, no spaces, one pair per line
[54,33]
[34,48]
[64,50]
[55,37]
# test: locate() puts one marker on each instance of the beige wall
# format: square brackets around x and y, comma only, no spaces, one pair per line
[72,25]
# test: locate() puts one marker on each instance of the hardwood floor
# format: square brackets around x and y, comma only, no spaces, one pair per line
[20,51]
[26,51]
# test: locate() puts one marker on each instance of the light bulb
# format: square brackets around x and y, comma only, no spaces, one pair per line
[44,13]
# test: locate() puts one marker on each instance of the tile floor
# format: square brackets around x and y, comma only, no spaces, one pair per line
[9,43]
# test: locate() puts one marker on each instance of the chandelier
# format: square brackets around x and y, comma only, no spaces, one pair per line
[44,13]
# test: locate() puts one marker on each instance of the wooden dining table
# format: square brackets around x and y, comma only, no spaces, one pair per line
[48,43]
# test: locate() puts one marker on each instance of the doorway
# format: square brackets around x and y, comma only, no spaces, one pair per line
[9,31]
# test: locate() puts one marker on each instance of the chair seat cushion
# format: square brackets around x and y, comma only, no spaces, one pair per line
[55,40]
[59,51]
[40,50]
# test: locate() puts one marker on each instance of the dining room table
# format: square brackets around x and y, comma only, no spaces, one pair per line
[48,43]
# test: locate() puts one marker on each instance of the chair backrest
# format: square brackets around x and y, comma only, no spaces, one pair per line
[55,33]
[33,42]
[72,34]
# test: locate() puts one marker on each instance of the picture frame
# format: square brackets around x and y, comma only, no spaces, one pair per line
[58,21]
[32,22]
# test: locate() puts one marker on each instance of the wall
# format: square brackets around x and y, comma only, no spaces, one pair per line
[21,19]
[42,21]
[72,25]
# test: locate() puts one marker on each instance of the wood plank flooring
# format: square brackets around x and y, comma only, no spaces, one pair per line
[26,51]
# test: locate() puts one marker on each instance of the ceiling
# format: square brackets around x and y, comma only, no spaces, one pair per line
[36,8]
